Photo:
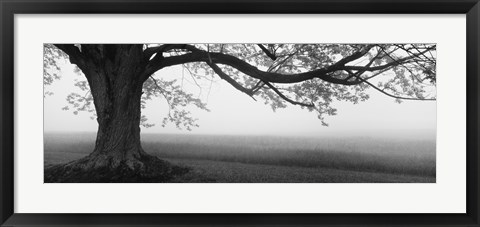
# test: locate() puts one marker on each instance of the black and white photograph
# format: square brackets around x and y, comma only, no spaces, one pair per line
[239,113]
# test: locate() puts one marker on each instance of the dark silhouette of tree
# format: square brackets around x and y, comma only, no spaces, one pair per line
[120,78]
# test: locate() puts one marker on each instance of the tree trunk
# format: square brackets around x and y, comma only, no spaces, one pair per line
[118,136]
[114,78]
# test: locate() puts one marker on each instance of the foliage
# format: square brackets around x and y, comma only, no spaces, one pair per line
[177,100]
[339,72]
[51,69]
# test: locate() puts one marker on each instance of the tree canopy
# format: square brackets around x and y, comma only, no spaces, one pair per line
[311,76]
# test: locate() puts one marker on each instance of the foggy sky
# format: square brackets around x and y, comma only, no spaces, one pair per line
[233,112]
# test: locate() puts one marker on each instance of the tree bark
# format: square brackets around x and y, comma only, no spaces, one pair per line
[118,136]
[114,76]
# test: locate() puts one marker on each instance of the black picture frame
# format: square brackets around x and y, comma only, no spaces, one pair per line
[11,7]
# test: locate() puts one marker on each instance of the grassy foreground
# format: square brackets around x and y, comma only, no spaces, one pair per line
[253,159]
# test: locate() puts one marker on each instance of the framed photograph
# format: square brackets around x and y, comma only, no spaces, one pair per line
[211,113]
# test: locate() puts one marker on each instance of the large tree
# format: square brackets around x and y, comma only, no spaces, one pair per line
[119,78]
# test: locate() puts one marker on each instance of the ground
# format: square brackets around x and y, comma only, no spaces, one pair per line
[250,159]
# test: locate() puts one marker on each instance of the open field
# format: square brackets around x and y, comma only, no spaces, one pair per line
[214,158]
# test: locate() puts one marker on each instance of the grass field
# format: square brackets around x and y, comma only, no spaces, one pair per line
[262,159]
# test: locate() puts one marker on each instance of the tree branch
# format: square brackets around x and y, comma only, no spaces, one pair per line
[244,67]
[197,55]
[231,81]
[149,52]
[214,58]
[163,92]
[393,96]
[388,65]
[286,98]
[340,64]
[267,52]
[74,54]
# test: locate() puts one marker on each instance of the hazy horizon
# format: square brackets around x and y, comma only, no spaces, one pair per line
[421,135]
